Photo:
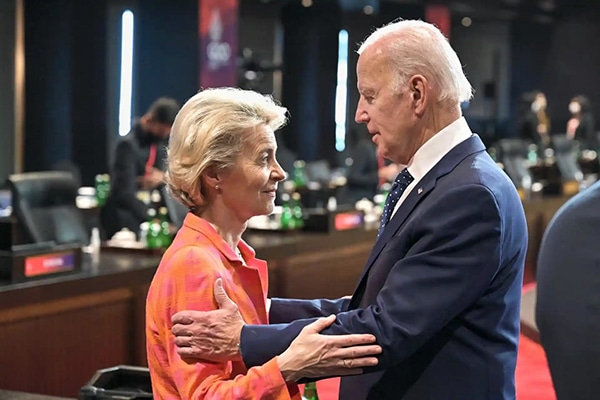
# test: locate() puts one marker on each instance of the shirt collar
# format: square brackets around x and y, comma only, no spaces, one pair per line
[203,227]
[432,151]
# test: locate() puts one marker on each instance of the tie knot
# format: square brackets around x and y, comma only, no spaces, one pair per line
[403,178]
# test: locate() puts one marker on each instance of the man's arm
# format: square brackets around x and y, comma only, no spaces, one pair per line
[288,310]
[453,256]
[447,269]
[124,177]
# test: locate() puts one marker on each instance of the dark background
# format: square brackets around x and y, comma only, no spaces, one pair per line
[71,87]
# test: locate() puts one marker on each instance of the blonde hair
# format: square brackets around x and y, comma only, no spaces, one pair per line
[209,132]
[417,47]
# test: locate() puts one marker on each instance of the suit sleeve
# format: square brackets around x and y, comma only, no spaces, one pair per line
[288,310]
[186,282]
[453,257]
[363,171]
[124,180]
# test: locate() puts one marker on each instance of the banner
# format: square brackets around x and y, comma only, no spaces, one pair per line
[439,15]
[218,42]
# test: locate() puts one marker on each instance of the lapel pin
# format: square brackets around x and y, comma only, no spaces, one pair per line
[420,190]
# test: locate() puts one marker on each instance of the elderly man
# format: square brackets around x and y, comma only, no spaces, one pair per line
[441,289]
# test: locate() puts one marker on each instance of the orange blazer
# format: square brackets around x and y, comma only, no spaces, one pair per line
[184,281]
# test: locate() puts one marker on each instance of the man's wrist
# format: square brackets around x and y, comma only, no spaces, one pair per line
[238,346]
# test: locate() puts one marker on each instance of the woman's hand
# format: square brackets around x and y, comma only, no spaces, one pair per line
[313,355]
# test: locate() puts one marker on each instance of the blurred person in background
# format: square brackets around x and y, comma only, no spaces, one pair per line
[441,290]
[534,121]
[568,303]
[138,164]
[222,166]
[368,170]
[581,126]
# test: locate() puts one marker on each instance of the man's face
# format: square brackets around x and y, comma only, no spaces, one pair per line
[387,113]
[159,129]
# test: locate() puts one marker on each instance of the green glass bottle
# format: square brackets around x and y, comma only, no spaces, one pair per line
[153,237]
[164,227]
[101,192]
[310,391]
[287,216]
[297,211]
[299,175]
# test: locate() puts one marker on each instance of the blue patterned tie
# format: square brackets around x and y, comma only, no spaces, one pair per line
[401,182]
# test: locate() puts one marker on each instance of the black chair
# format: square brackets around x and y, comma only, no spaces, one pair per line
[565,159]
[44,203]
[513,155]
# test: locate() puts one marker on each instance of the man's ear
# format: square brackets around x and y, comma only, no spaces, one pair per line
[419,93]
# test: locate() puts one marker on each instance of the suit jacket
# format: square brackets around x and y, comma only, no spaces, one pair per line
[567,296]
[363,174]
[184,281]
[441,290]
[123,209]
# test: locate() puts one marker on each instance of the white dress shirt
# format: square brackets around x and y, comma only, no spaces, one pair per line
[433,151]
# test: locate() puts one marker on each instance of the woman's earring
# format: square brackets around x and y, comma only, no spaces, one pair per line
[217,187]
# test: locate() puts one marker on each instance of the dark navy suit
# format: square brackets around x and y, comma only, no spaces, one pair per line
[441,291]
[568,297]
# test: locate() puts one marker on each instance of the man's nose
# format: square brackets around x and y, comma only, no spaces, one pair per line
[360,116]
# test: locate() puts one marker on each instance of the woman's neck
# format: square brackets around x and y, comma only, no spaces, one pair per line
[228,227]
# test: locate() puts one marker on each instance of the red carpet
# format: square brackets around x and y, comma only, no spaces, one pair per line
[532,376]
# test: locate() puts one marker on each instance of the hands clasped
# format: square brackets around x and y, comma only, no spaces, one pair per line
[215,335]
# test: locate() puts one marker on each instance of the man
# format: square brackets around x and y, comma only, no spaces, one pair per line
[441,289]
[567,297]
[138,164]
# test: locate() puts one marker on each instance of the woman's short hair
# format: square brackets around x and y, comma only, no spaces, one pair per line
[209,132]
[417,47]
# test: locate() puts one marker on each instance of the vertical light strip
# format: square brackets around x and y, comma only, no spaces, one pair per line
[19,99]
[125,93]
[341,91]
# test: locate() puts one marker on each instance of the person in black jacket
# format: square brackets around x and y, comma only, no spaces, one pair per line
[368,171]
[534,122]
[138,164]
[581,125]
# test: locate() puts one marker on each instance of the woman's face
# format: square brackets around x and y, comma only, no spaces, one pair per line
[249,187]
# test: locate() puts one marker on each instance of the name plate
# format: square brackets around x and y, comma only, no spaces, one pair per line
[37,261]
[331,221]
[49,264]
[348,220]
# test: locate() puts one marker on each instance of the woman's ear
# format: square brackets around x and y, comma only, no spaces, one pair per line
[210,178]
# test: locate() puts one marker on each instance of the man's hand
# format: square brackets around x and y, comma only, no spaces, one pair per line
[151,180]
[210,335]
[313,355]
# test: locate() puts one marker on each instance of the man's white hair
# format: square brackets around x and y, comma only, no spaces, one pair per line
[417,47]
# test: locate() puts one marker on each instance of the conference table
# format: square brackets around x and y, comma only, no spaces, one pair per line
[58,331]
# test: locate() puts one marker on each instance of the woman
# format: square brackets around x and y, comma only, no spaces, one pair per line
[221,164]
[534,123]
[581,125]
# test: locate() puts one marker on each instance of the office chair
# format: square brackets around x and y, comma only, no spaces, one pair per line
[44,203]
[513,154]
[565,159]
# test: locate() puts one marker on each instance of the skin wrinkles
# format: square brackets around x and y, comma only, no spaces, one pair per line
[400,121]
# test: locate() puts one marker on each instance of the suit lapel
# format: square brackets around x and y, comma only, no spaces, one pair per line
[420,191]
